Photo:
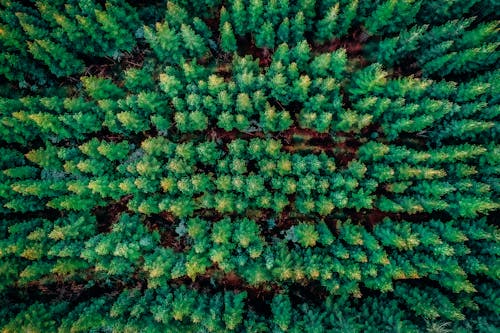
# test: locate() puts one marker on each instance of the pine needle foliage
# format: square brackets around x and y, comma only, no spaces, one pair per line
[249,166]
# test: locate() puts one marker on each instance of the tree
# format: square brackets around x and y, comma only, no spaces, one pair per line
[347,16]
[233,309]
[255,17]
[305,234]
[101,88]
[228,40]
[297,28]
[371,79]
[59,60]
[327,26]
[255,186]
[266,35]
[46,158]
[164,41]
[194,43]
[118,252]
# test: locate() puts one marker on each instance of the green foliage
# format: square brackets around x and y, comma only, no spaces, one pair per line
[59,60]
[305,234]
[117,252]
[327,25]
[101,88]
[282,311]
[249,165]
[228,41]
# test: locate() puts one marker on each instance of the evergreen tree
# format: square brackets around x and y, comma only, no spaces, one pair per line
[228,40]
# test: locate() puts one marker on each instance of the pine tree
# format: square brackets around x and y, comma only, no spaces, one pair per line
[305,234]
[297,28]
[194,43]
[266,36]
[348,14]
[228,40]
[59,60]
[164,41]
[327,26]
[282,311]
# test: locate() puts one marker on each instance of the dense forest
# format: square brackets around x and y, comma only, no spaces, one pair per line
[250,166]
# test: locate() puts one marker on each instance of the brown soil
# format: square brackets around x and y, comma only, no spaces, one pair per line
[353,43]
[246,45]
[109,67]
[165,224]
[108,215]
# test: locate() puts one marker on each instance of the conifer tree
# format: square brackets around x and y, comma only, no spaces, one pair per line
[328,25]
[228,40]
[266,36]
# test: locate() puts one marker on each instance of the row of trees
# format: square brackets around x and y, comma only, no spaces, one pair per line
[59,34]
[190,99]
[57,37]
[183,309]
[435,110]
[265,101]
[253,174]
[452,253]
[455,47]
